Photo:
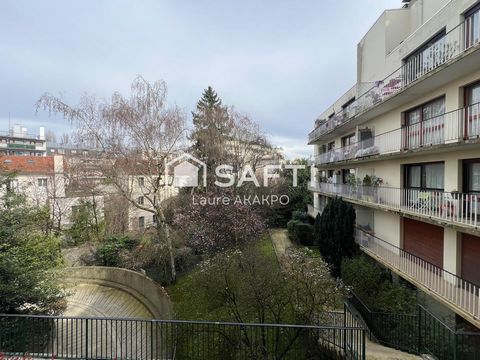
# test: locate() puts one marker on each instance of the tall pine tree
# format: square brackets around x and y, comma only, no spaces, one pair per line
[212,130]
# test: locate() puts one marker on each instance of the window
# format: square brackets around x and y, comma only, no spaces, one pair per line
[428,176]
[154,219]
[471,176]
[472,110]
[365,138]
[347,175]
[141,222]
[140,200]
[331,146]
[348,108]
[472,26]
[42,182]
[424,125]
[141,181]
[348,140]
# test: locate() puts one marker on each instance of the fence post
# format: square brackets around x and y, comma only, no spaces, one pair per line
[419,329]
[345,309]
[86,338]
[364,351]
[455,346]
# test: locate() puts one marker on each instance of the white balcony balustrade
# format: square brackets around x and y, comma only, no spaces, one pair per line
[448,47]
[451,288]
[456,208]
[452,127]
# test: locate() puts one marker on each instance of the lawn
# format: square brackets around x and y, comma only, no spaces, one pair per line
[187,303]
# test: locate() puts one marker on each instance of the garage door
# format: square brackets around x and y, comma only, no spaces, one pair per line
[423,240]
[470,258]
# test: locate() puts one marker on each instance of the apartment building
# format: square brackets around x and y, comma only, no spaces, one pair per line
[44,182]
[403,146]
[17,141]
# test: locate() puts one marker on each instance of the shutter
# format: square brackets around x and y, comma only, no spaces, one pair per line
[423,240]
[470,258]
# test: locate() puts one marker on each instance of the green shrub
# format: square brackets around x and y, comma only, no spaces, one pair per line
[304,234]
[374,286]
[109,250]
[185,259]
[290,228]
[334,233]
[300,215]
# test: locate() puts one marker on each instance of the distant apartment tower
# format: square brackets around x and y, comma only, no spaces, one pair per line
[403,146]
[17,141]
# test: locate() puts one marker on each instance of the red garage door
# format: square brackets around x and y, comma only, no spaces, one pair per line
[423,240]
[471,258]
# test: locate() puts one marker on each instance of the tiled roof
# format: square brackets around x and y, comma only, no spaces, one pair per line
[27,164]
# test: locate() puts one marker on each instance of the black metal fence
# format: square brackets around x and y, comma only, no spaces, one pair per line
[101,338]
[419,333]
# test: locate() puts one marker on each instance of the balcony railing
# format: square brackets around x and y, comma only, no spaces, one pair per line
[450,287]
[102,338]
[448,47]
[456,208]
[455,126]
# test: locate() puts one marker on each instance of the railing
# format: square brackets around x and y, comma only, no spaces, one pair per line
[419,333]
[457,208]
[19,136]
[448,47]
[450,287]
[455,126]
[101,338]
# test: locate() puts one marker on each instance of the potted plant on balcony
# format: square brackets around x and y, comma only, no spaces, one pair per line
[370,184]
[353,183]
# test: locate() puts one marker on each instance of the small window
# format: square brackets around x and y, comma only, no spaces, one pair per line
[141,222]
[471,177]
[154,218]
[331,146]
[140,200]
[141,181]
[348,140]
[42,182]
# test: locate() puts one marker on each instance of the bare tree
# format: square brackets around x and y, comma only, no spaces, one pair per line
[50,136]
[138,135]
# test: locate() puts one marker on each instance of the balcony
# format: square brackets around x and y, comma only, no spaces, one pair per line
[458,126]
[459,294]
[446,49]
[453,208]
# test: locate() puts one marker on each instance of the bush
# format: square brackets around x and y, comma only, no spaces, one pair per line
[304,234]
[334,233]
[300,232]
[374,286]
[300,215]
[185,259]
[110,249]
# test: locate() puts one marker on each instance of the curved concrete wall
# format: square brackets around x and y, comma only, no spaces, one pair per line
[141,287]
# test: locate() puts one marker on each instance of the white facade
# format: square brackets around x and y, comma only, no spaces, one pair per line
[403,146]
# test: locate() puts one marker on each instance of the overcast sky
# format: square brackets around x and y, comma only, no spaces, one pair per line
[282,62]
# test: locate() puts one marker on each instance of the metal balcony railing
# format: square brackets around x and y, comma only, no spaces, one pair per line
[103,338]
[448,47]
[455,126]
[462,294]
[456,208]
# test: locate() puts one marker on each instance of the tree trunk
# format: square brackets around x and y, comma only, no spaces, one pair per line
[162,229]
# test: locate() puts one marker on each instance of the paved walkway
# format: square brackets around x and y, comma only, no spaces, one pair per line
[280,241]
[374,351]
